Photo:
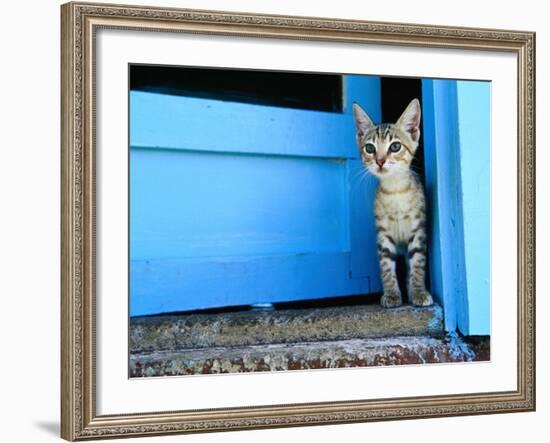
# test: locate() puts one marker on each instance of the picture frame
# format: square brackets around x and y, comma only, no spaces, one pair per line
[80,178]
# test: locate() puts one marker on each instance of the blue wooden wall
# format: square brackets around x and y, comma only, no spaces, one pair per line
[234,204]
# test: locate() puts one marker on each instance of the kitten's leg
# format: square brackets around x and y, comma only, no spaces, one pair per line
[387,254]
[418,295]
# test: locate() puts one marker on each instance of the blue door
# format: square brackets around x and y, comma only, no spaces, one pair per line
[239,204]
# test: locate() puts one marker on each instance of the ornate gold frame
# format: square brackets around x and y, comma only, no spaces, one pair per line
[80,21]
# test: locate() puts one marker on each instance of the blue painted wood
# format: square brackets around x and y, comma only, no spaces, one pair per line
[457,155]
[444,195]
[196,204]
[185,123]
[242,204]
[474,102]
[192,283]
[364,90]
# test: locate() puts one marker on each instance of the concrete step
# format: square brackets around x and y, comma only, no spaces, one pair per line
[175,332]
[313,355]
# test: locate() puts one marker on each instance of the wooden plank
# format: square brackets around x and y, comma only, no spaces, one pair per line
[184,284]
[364,90]
[160,121]
[444,195]
[474,102]
[191,204]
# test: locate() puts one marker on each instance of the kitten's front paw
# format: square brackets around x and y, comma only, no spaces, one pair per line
[422,298]
[391,299]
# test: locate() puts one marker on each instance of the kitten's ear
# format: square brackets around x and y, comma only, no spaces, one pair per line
[362,122]
[410,119]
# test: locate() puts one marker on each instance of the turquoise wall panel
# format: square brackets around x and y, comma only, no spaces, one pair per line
[474,116]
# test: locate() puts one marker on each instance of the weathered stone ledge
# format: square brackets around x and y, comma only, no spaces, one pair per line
[172,333]
[315,355]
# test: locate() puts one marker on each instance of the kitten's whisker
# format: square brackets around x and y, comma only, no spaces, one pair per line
[359,175]
[367,176]
[359,182]
[360,167]
[358,172]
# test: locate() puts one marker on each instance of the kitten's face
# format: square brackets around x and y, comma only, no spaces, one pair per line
[388,149]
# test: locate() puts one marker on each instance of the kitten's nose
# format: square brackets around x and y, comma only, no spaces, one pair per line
[380,162]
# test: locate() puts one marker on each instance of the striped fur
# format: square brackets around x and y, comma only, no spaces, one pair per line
[387,151]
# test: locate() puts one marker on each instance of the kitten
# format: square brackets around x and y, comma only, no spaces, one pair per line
[387,151]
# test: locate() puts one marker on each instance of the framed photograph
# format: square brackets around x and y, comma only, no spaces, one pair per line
[282,221]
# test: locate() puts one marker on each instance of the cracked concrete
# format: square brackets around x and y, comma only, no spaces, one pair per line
[314,355]
[169,333]
[282,340]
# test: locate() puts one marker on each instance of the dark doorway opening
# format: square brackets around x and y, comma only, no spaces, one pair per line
[397,93]
[320,92]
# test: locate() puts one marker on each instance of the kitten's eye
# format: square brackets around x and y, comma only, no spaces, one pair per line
[370,148]
[395,147]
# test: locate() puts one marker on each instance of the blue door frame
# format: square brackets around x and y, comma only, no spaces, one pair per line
[457,164]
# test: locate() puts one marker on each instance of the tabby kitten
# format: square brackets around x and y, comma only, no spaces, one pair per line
[387,151]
